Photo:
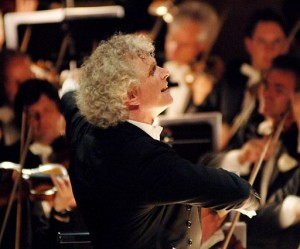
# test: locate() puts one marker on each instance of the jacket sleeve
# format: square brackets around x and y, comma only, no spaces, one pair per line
[177,180]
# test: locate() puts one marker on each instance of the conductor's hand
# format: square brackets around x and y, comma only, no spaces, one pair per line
[250,204]
[202,87]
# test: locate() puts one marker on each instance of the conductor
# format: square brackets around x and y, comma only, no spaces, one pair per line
[134,191]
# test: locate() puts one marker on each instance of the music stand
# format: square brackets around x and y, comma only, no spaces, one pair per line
[74,240]
[192,134]
[14,19]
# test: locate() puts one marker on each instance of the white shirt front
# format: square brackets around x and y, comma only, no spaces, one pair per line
[152,130]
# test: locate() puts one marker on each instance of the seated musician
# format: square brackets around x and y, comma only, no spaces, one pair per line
[190,35]
[281,160]
[41,101]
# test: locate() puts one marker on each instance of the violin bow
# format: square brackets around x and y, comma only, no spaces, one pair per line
[273,139]
[293,34]
[17,183]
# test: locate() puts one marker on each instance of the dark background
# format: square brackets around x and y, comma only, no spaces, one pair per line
[46,39]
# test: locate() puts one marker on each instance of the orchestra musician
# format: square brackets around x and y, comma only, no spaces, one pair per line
[265,39]
[280,84]
[277,225]
[46,216]
[15,67]
[190,35]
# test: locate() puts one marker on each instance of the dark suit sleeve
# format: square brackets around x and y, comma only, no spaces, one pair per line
[75,121]
[68,105]
[177,180]
[269,214]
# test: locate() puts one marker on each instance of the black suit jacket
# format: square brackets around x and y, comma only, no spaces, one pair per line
[136,192]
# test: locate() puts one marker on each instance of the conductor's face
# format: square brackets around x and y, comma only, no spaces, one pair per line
[152,96]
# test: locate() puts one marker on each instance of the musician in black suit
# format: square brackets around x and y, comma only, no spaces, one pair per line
[276,96]
[265,39]
[277,225]
[189,37]
[44,217]
[133,190]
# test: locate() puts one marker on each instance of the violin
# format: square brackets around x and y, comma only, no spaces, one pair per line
[37,181]
[212,65]
[45,70]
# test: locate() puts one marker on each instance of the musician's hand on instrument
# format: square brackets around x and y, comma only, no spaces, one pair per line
[64,198]
[202,87]
[251,151]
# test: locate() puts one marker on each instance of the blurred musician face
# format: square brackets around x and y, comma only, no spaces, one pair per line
[182,43]
[17,71]
[267,42]
[46,120]
[276,93]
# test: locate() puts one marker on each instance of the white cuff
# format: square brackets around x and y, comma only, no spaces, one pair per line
[68,86]
[287,215]
[231,163]
[249,213]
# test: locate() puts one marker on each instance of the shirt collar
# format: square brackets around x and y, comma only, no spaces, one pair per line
[252,73]
[41,150]
[151,130]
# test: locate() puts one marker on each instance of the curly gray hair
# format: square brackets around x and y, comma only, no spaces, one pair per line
[108,75]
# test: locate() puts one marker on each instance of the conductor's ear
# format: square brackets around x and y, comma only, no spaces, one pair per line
[133,98]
